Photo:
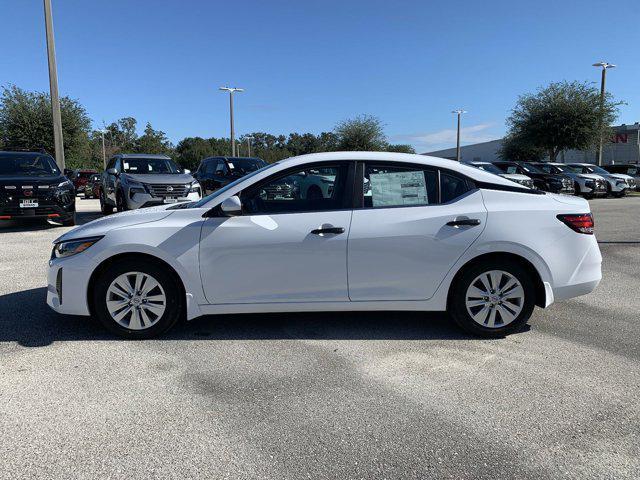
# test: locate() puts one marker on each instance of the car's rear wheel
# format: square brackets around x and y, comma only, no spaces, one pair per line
[493,298]
[137,299]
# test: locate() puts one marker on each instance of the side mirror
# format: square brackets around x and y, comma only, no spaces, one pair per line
[232,206]
[186,170]
[220,173]
[112,171]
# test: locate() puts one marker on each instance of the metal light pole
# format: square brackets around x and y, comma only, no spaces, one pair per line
[231,91]
[603,81]
[53,86]
[459,112]
[104,153]
[249,145]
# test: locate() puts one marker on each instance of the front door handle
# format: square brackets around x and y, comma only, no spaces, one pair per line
[334,230]
[466,222]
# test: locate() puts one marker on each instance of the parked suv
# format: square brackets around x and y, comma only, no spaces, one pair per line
[80,177]
[586,184]
[92,187]
[139,180]
[550,182]
[630,169]
[216,172]
[617,183]
[32,185]
[514,177]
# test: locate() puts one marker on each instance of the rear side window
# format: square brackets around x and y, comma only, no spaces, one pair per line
[394,186]
[452,187]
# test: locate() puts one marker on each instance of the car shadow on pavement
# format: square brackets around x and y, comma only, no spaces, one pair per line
[35,224]
[27,320]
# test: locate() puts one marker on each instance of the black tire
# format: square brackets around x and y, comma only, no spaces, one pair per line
[314,193]
[121,204]
[70,221]
[457,299]
[105,208]
[169,283]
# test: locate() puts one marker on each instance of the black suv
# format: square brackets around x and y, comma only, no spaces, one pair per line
[215,172]
[549,182]
[31,185]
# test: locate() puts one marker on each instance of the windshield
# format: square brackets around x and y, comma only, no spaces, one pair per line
[15,164]
[245,165]
[596,169]
[488,167]
[149,165]
[229,186]
[528,167]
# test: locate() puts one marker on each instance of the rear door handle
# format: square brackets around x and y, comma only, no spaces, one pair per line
[334,230]
[467,222]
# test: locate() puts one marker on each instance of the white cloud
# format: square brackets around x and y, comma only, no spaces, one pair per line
[431,141]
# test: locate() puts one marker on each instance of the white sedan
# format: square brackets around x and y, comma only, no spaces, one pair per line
[397,232]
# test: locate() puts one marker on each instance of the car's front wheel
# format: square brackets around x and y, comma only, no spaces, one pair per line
[493,298]
[135,299]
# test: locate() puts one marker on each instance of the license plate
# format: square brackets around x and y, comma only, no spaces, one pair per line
[170,200]
[27,203]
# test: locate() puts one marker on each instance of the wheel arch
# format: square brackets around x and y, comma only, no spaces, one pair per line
[539,287]
[106,263]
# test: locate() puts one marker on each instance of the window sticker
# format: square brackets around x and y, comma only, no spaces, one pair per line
[398,188]
[231,165]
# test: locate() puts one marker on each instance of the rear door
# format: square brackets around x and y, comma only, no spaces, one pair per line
[412,225]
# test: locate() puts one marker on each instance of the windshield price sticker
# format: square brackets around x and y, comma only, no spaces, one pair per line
[398,188]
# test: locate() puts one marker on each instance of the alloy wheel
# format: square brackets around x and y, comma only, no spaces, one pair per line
[136,300]
[494,299]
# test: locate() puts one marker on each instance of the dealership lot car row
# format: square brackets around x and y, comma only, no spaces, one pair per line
[423,234]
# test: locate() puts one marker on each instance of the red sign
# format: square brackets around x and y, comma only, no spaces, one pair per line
[620,138]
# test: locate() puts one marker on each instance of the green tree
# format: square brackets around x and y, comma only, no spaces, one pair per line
[364,132]
[516,148]
[563,115]
[153,141]
[26,123]
[400,148]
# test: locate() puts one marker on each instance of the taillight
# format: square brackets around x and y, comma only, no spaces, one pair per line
[578,222]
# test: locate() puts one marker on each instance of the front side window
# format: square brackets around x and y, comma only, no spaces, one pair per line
[306,190]
[396,186]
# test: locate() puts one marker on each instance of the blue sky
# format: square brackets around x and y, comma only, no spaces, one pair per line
[306,65]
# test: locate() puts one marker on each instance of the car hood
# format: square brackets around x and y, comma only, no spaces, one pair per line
[622,176]
[32,180]
[124,219]
[515,176]
[592,176]
[160,178]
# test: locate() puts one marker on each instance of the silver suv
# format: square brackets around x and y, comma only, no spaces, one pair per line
[139,180]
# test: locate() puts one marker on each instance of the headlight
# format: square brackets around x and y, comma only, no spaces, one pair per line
[620,182]
[66,183]
[194,187]
[72,247]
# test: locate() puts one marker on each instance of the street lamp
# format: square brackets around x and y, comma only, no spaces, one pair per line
[53,86]
[231,91]
[459,112]
[104,153]
[249,139]
[603,81]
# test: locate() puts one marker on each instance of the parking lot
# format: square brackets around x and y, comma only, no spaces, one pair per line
[336,395]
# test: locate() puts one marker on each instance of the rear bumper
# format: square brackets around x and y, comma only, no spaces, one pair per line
[584,278]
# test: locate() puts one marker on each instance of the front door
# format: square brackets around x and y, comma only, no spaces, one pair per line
[284,247]
[401,242]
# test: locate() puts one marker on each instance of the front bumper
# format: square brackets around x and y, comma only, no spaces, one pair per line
[67,282]
[141,200]
[48,207]
[563,189]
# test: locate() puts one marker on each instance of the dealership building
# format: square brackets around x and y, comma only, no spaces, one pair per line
[624,147]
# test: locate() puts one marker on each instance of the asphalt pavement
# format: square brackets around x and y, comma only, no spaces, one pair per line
[334,395]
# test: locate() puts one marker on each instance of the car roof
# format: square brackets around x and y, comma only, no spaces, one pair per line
[467,170]
[22,154]
[142,155]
